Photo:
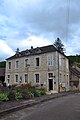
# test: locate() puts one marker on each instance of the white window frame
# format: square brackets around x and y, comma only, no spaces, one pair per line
[39,61]
[17,64]
[67,65]
[50,74]
[27,78]
[50,60]
[9,65]
[8,78]
[60,59]
[35,78]
[18,78]
[26,63]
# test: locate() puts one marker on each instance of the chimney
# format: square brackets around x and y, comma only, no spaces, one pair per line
[17,51]
[31,47]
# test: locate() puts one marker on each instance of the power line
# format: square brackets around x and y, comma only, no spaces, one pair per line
[67,19]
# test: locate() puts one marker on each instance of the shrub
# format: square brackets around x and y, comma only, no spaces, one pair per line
[36,93]
[25,86]
[4,97]
[18,95]
[13,87]
[31,94]
[25,95]
[11,95]
[42,91]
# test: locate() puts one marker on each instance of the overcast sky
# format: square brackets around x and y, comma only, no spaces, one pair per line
[25,23]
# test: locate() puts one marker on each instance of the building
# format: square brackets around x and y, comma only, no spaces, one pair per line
[44,66]
[74,78]
[2,75]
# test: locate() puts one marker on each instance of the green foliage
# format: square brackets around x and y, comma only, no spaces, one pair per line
[38,92]
[59,45]
[18,95]
[2,64]
[31,94]
[23,91]
[11,95]
[41,91]
[4,97]
[74,59]
[25,94]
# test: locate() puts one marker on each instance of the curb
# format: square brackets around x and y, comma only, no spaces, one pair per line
[34,102]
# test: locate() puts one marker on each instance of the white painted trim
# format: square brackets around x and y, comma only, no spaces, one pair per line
[50,55]
[50,78]
[24,77]
[35,78]
[15,78]
[39,61]
[28,61]
[18,64]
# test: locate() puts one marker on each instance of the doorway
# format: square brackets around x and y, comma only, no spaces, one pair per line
[50,84]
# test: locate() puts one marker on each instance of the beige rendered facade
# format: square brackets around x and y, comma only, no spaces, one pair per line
[39,66]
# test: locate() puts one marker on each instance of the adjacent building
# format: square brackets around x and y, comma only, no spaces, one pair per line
[74,78]
[44,66]
[2,75]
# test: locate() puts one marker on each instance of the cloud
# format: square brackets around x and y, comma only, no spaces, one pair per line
[34,41]
[5,50]
[27,22]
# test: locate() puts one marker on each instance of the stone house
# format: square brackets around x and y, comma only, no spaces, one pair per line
[74,78]
[44,66]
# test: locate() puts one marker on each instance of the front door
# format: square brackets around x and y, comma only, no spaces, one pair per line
[50,84]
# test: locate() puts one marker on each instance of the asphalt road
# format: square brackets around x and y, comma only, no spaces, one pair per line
[64,108]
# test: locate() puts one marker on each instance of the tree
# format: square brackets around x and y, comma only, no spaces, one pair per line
[59,45]
[2,64]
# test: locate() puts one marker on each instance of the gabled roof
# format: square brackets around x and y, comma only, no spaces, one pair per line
[75,71]
[35,51]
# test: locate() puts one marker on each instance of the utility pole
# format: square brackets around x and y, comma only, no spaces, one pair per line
[58,74]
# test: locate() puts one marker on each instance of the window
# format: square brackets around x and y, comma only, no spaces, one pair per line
[67,64]
[37,78]
[60,78]
[37,61]
[49,60]
[50,75]
[67,79]
[9,64]
[60,60]
[64,77]
[17,64]
[16,77]
[26,62]
[26,78]
[8,79]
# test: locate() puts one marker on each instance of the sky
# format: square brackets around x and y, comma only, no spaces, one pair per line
[26,23]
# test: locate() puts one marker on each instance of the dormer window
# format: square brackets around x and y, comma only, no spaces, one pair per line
[27,52]
[38,50]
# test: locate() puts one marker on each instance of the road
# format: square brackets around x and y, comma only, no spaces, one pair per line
[64,108]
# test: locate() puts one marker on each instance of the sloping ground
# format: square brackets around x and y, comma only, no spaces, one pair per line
[4,106]
[11,104]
